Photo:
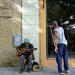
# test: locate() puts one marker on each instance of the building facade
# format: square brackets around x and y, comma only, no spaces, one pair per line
[26,18]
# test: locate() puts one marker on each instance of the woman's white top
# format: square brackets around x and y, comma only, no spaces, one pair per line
[61,35]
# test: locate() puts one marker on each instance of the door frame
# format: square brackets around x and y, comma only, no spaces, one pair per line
[44,61]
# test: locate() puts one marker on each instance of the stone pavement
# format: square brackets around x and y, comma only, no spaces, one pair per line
[44,71]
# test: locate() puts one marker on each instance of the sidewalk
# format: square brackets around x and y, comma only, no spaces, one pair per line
[45,71]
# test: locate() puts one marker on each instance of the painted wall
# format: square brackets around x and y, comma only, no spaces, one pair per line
[31,24]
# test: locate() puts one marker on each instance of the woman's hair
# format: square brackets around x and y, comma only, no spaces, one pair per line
[59,23]
[56,23]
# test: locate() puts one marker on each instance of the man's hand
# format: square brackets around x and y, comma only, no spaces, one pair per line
[56,49]
[18,53]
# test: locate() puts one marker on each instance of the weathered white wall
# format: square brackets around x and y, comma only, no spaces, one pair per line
[31,24]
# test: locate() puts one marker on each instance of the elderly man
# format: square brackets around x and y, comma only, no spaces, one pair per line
[26,56]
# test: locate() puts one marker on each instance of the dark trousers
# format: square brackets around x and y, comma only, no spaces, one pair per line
[26,62]
[62,53]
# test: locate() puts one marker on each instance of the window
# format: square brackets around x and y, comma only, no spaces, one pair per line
[63,11]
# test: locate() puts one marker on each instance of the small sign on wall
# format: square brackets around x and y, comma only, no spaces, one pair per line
[17,40]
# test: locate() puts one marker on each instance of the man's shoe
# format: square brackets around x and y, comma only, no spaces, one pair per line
[66,71]
[61,73]
[21,70]
[28,70]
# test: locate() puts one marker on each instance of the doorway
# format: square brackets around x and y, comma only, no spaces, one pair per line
[64,12]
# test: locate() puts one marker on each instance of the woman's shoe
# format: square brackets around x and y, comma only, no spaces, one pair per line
[61,73]
[66,71]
